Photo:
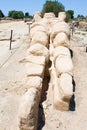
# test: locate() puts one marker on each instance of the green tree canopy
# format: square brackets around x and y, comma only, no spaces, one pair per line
[16,14]
[1,14]
[80,16]
[69,14]
[52,6]
[26,15]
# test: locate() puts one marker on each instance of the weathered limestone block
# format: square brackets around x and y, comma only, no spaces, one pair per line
[37,26]
[39,60]
[43,22]
[28,110]
[62,16]
[37,16]
[66,86]
[61,39]
[39,50]
[63,64]
[34,82]
[60,27]
[58,102]
[51,20]
[49,15]
[34,69]
[61,51]
[40,37]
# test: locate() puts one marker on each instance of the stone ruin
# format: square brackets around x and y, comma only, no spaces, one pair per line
[48,55]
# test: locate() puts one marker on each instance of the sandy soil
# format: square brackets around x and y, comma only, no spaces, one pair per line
[12,71]
[13,78]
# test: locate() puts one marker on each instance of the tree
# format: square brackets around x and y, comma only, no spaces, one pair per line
[69,15]
[52,6]
[26,15]
[1,14]
[80,16]
[10,13]
[16,14]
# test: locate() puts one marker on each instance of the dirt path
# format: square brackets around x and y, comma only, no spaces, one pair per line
[12,73]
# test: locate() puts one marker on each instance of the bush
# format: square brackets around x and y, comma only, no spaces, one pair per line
[16,14]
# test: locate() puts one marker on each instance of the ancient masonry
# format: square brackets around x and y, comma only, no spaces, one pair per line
[49,43]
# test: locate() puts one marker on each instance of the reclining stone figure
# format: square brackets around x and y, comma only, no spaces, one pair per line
[49,40]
